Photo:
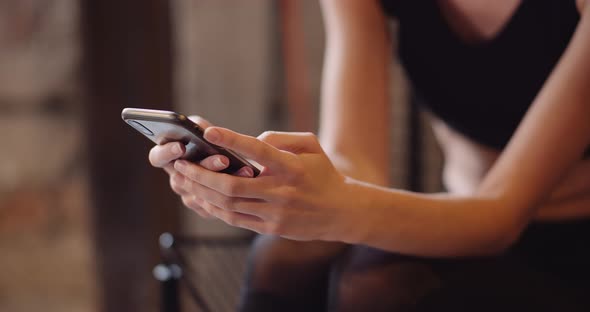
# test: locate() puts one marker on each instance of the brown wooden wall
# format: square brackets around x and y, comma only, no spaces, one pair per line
[127,62]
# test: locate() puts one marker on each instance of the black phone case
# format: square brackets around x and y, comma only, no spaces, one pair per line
[164,126]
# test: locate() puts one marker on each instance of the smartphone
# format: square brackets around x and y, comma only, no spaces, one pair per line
[164,126]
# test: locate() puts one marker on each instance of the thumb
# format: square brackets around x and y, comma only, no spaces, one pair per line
[249,147]
[294,142]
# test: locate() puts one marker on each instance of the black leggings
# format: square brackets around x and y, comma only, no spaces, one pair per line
[547,270]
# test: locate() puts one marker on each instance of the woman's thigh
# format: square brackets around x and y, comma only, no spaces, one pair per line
[368,279]
[372,280]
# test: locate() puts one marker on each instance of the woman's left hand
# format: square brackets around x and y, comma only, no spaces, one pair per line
[298,194]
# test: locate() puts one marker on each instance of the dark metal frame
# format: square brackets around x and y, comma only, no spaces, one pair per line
[175,269]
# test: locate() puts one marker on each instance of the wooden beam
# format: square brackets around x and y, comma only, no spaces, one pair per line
[127,54]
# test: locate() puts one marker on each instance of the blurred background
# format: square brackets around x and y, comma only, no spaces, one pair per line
[80,208]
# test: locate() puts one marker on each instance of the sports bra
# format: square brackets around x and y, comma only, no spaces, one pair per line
[482,89]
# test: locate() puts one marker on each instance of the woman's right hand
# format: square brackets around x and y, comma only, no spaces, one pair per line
[164,156]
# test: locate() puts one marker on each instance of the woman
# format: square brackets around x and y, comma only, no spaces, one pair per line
[508,82]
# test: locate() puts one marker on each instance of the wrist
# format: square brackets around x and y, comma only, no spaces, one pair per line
[357,203]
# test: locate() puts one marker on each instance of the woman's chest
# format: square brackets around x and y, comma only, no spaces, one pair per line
[477,20]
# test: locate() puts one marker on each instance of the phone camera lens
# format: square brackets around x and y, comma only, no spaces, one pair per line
[143,129]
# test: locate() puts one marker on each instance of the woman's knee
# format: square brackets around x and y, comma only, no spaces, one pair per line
[372,280]
[277,263]
[284,275]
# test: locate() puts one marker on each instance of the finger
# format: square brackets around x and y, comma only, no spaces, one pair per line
[169,168]
[235,218]
[161,155]
[226,184]
[194,204]
[294,142]
[202,122]
[215,162]
[249,206]
[248,146]
[177,183]
[193,195]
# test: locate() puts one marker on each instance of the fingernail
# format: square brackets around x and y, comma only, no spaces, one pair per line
[220,162]
[246,172]
[176,150]
[212,135]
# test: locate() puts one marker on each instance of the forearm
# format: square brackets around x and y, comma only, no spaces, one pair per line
[571,198]
[430,225]
[354,125]
[444,225]
[575,183]
[572,207]
[361,169]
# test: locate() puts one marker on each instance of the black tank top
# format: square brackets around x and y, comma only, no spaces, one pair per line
[482,89]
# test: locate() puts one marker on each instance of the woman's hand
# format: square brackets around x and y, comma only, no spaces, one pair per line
[299,194]
[164,156]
